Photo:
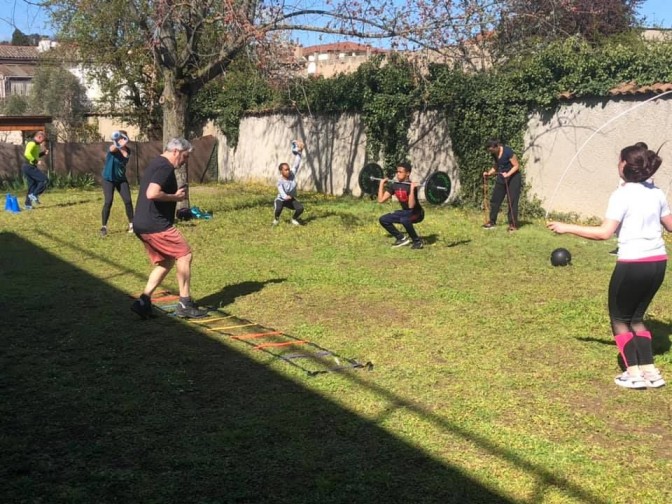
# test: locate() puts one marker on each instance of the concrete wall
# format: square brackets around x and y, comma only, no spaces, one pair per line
[564,174]
[335,150]
[570,177]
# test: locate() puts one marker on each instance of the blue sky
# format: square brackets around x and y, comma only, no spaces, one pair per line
[30,19]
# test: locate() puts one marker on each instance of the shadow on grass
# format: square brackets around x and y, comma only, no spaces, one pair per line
[660,337]
[100,407]
[229,293]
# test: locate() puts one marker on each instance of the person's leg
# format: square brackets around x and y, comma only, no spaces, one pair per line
[27,170]
[408,217]
[277,210]
[388,222]
[498,193]
[157,276]
[183,268]
[125,193]
[624,295]
[298,209]
[108,196]
[651,276]
[513,197]
[41,182]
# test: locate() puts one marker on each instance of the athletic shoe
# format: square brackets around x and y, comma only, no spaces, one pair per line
[142,309]
[296,222]
[276,222]
[626,380]
[512,229]
[614,252]
[27,207]
[103,231]
[653,379]
[34,199]
[401,241]
[417,245]
[488,225]
[130,227]
[190,311]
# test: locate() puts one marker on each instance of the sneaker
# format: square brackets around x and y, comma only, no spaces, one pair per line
[626,380]
[512,229]
[130,227]
[276,222]
[103,231]
[653,379]
[296,222]
[417,244]
[614,252]
[34,199]
[190,311]
[142,309]
[488,225]
[27,207]
[401,241]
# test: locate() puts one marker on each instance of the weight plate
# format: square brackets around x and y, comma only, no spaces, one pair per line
[367,185]
[437,188]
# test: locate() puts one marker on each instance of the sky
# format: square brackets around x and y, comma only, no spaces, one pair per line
[31,19]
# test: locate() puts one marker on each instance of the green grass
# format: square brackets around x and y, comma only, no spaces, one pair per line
[492,378]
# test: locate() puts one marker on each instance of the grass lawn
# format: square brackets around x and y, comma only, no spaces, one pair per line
[492,375]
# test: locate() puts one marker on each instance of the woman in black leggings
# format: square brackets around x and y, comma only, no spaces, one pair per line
[638,212]
[114,178]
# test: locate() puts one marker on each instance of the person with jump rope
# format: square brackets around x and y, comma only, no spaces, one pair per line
[637,211]
[508,183]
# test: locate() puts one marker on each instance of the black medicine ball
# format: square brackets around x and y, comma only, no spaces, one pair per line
[561,257]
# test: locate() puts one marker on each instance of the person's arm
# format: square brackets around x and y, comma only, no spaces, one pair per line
[282,193]
[667,222]
[602,232]
[411,195]
[383,195]
[514,167]
[155,193]
[119,145]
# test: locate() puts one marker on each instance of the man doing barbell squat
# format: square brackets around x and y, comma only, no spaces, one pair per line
[411,211]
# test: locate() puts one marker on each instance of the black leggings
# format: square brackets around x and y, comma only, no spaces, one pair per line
[293,204]
[511,189]
[124,192]
[631,290]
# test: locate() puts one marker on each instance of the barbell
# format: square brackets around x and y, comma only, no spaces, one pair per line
[437,186]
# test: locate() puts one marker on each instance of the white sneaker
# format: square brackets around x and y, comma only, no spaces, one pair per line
[653,379]
[276,222]
[626,380]
[130,227]
[296,222]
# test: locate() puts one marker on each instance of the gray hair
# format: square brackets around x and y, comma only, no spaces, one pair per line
[178,143]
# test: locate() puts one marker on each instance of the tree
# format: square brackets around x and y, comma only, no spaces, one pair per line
[20,39]
[550,20]
[58,93]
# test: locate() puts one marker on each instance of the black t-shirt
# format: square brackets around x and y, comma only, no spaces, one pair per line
[503,164]
[155,216]
[402,191]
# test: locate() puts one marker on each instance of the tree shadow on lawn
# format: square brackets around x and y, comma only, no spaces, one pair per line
[99,406]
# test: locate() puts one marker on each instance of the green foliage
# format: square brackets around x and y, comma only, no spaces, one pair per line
[79,181]
[14,105]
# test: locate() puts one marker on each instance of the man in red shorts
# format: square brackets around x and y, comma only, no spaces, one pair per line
[154,222]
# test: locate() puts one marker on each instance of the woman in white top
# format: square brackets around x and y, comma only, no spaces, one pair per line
[637,213]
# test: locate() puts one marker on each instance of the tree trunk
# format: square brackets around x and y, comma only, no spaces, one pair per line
[175,104]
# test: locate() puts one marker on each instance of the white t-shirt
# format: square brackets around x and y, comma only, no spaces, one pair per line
[639,208]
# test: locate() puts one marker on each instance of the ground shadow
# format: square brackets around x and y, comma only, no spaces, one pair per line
[347,219]
[457,243]
[101,407]
[660,340]
[229,293]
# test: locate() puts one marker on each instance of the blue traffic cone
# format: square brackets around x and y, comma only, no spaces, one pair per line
[8,203]
[15,204]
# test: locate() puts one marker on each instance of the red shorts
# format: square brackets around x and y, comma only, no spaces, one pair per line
[168,244]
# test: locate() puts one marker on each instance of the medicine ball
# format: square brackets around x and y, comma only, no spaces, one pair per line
[561,257]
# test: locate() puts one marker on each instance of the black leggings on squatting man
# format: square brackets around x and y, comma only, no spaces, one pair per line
[631,289]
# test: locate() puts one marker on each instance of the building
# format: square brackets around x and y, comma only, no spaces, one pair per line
[17,69]
[327,60]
